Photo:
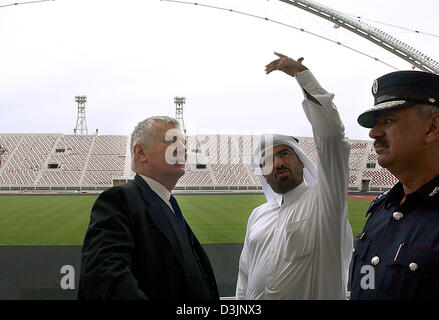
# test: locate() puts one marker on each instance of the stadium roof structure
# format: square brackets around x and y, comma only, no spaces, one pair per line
[384,40]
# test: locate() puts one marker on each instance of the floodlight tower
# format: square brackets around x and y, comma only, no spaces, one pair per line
[81,123]
[179,103]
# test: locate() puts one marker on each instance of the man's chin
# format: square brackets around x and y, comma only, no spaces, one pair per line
[282,178]
[177,169]
[284,186]
[383,161]
[181,168]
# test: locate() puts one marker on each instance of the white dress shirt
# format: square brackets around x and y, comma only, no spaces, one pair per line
[158,188]
[299,244]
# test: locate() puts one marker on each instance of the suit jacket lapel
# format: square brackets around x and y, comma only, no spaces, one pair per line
[159,213]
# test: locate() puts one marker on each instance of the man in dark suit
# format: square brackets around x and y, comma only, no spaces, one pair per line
[138,245]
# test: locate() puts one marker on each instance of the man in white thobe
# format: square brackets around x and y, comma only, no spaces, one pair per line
[298,244]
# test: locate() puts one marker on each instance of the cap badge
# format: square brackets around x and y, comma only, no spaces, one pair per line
[435,190]
[375,86]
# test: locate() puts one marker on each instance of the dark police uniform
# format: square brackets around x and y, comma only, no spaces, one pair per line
[401,243]
[397,254]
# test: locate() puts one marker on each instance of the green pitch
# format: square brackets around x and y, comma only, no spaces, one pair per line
[63,220]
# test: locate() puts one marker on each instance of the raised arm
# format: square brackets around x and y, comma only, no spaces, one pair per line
[331,144]
[334,232]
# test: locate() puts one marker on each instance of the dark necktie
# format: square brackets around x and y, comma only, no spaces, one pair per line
[176,208]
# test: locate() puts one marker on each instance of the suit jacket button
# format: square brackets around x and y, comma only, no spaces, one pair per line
[375,260]
[413,266]
[397,215]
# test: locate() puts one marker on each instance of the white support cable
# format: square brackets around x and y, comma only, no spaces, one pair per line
[393,25]
[285,25]
[371,33]
[21,3]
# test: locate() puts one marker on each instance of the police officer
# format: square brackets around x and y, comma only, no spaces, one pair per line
[396,256]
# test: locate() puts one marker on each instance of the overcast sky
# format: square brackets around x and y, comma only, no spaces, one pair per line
[131,57]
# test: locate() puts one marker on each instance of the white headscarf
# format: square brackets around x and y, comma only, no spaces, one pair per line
[271,140]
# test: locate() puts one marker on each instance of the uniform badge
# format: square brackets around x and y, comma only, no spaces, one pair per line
[435,190]
[375,86]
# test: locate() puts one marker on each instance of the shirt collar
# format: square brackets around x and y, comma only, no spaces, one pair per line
[395,194]
[158,188]
[291,195]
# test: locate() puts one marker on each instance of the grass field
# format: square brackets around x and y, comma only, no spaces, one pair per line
[46,220]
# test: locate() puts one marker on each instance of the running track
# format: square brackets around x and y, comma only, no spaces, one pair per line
[367,198]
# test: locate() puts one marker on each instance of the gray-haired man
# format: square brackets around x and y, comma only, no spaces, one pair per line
[138,245]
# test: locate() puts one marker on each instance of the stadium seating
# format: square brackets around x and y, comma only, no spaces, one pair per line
[92,161]
[379,178]
[196,178]
[308,147]
[232,174]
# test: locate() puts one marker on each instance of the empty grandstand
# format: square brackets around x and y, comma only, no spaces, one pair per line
[219,163]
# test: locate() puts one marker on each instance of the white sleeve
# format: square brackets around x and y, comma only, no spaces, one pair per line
[335,236]
[331,145]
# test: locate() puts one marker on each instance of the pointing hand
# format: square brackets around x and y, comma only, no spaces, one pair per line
[286,64]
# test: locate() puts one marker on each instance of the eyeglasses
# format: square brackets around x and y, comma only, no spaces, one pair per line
[2,151]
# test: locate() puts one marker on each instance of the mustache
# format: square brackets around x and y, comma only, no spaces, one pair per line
[381,142]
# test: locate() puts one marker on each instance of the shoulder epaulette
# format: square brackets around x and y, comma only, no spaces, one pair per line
[378,199]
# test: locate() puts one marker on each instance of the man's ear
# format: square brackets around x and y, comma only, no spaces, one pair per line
[140,153]
[432,134]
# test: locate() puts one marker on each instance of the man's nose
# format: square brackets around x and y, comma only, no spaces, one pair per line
[277,162]
[376,131]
